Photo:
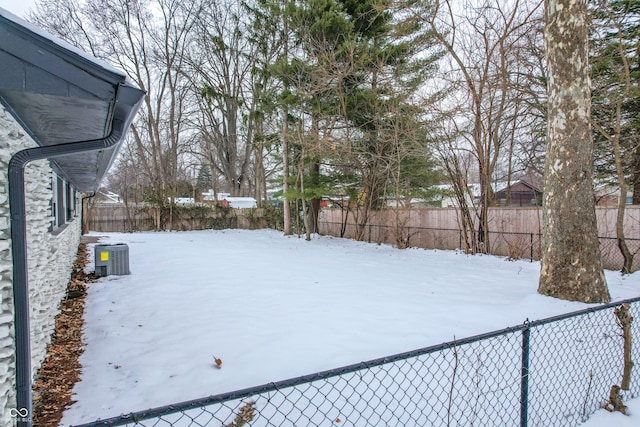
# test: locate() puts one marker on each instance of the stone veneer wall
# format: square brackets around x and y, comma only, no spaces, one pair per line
[51,256]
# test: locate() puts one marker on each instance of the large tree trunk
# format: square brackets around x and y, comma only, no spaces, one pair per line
[571,266]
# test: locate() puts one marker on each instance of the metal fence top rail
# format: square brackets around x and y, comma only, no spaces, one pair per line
[275,386]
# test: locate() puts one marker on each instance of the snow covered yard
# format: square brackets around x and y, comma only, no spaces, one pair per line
[274,307]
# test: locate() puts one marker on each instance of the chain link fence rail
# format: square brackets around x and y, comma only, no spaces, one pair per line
[552,372]
[513,245]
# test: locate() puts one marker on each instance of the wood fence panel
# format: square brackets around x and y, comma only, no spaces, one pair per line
[514,232]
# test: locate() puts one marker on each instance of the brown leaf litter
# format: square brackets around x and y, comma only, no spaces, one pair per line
[52,391]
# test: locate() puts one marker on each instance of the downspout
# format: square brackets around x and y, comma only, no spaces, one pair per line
[17,208]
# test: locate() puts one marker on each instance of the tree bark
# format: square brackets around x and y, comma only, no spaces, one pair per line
[624,319]
[314,178]
[286,207]
[314,204]
[571,267]
[636,178]
[307,227]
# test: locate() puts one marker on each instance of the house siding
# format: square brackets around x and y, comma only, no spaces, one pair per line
[50,259]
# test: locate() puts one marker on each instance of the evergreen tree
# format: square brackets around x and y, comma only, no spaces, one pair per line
[615,65]
[344,81]
[615,94]
[266,36]
[204,181]
[353,79]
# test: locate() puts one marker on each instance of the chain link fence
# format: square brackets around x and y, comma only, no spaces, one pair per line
[552,372]
[509,244]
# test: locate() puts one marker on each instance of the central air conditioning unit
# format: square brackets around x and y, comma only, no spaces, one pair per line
[112,259]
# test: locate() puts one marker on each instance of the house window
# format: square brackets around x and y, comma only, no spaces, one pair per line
[60,199]
[52,203]
[63,203]
[68,192]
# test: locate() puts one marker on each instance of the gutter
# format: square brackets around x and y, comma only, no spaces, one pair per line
[19,252]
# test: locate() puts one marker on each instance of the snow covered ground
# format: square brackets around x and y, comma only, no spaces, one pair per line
[603,418]
[274,307]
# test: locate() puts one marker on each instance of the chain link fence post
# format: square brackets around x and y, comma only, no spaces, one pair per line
[524,377]
[531,246]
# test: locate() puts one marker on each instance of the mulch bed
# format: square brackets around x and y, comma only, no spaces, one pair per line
[61,369]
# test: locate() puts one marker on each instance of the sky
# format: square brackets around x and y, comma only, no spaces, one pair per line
[18,7]
[273,307]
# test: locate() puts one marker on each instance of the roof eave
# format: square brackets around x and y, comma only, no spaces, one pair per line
[61,95]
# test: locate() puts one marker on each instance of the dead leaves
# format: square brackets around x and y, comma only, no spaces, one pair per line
[245,415]
[218,362]
[615,401]
[61,370]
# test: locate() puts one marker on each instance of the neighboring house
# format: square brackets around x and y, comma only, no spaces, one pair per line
[71,112]
[518,194]
[106,197]
[225,199]
[183,201]
[608,194]
[526,191]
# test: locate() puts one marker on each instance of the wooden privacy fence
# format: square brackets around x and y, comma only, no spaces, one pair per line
[124,219]
[513,232]
[505,220]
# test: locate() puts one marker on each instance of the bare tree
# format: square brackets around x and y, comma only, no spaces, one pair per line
[127,180]
[148,39]
[222,64]
[531,87]
[481,39]
[571,267]
[459,164]
[65,19]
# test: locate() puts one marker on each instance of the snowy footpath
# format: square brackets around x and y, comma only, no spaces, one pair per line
[272,307]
